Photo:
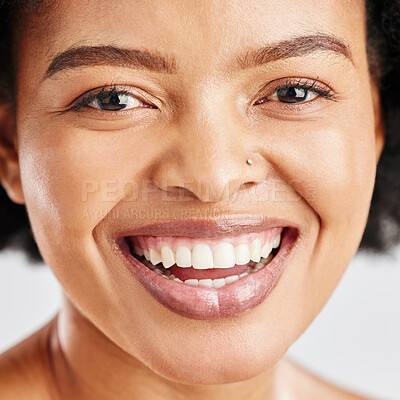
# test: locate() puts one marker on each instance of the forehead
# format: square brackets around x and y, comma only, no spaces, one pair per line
[195,31]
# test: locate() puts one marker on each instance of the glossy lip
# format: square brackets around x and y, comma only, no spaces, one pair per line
[210,229]
[209,303]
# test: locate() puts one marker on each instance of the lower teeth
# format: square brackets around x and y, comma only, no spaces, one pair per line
[213,283]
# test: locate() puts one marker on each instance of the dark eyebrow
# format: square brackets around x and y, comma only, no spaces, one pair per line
[109,55]
[298,46]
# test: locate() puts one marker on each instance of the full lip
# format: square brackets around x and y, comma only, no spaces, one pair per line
[220,227]
[203,302]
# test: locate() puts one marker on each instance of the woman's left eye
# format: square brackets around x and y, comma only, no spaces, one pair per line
[293,95]
[298,92]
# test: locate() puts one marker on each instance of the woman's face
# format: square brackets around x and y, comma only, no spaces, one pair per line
[285,84]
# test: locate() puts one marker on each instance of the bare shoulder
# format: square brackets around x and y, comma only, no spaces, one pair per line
[23,368]
[301,384]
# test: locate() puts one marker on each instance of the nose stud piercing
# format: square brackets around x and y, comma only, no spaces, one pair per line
[249,162]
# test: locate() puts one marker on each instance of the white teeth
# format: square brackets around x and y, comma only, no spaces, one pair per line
[267,248]
[183,257]
[202,256]
[232,278]
[168,259]
[242,253]
[255,250]
[206,282]
[167,256]
[214,283]
[276,241]
[219,283]
[224,256]
[155,257]
[258,266]
[193,282]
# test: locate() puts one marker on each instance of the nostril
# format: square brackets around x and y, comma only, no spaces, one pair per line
[247,185]
[178,192]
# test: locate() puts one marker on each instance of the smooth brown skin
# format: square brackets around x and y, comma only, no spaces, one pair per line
[111,339]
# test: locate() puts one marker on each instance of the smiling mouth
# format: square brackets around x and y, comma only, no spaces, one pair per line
[212,263]
[208,269]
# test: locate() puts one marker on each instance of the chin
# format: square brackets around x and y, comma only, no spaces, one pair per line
[213,371]
[218,362]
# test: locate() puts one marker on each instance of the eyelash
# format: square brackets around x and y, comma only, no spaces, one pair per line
[310,85]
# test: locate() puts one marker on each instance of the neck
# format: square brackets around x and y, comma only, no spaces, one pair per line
[87,365]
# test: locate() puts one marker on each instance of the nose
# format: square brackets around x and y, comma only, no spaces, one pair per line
[208,159]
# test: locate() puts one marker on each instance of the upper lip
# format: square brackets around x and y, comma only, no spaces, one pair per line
[223,226]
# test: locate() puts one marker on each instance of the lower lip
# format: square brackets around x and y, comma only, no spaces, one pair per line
[209,303]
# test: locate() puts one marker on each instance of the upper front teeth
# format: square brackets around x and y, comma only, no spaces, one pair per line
[183,257]
[167,257]
[202,256]
[225,255]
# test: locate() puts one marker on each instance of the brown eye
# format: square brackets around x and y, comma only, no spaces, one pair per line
[115,102]
[293,95]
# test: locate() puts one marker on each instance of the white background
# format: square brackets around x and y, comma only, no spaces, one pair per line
[354,342]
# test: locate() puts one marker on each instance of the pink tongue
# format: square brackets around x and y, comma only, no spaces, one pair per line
[213,273]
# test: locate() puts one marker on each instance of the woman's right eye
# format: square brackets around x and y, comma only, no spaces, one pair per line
[116,102]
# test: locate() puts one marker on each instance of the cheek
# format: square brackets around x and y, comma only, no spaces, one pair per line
[337,173]
[331,164]
[71,181]
[73,178]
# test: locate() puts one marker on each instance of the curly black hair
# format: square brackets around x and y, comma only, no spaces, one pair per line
[383,48]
